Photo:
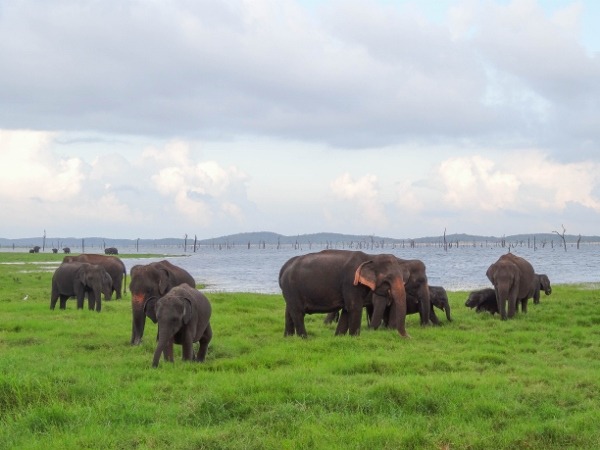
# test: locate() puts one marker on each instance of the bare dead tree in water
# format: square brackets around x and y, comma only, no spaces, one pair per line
[445,243]
[562,236]
[578,241]
[185,243]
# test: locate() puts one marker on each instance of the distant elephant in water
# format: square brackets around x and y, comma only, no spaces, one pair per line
[76,279]
[514,279]
[113,265]
[183,317]
[541,282]
[111,251]
[152,280]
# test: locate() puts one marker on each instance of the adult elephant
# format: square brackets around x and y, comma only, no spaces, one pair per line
[331,280]
[152,280]
[541,282]
[513,278]
[113,265]
[111,251]
[183,317]
[76,279]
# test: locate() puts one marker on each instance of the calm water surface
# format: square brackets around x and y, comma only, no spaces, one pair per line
[242,269]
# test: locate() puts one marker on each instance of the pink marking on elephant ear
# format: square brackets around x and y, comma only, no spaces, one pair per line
[360,278]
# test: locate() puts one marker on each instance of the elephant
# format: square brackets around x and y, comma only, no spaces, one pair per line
[438,298]
[75,279]
[111,251]
[113,265]
[541,282]
[331,280]
[66,250]
[35,249]
[183,317]
[54,250]
[514,280]
[483,300]
[152,280]
[417,289]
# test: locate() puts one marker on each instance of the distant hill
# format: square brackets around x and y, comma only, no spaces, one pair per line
[270,238]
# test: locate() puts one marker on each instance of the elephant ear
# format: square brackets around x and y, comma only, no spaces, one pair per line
[187,311]
[164,281]
[490,273]
[365,274]
[82,273]
[150,308]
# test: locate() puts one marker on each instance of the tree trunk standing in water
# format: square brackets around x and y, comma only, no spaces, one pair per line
[562,236]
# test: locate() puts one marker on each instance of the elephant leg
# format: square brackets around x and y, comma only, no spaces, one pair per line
[53,300]
[434,319]
[289,323]
[512,306]
[296,315]
[204,340]
[63,301]
[188,349]
[342,327]
[524,305]
[331,317]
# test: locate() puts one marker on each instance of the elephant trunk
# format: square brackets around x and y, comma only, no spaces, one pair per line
[399,306]
[379,304]
[424,304]
[139,318]
[164,345]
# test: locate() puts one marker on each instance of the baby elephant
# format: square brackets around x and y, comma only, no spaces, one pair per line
[483,300]
[183,317]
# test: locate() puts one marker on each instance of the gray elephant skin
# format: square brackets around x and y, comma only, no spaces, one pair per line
[152,280]
[438,298]
[183,317]
[541,283]
[76,279]
[333,280]
[513,278]
[483,300]
[113,265]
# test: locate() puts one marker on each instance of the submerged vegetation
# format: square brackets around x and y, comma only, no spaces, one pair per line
[69,379]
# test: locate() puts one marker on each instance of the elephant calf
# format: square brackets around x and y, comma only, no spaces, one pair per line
[541,282]
[183,317]
[483,300]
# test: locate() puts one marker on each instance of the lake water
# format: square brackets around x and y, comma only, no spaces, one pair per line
[243,269]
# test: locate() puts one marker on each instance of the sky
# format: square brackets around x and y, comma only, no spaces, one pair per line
[402,119]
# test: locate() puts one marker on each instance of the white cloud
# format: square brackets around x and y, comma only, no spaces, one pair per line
[30,171]
[525,181]
[200,190]
[362,196]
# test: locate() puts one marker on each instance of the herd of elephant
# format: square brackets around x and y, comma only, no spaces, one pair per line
[339,283]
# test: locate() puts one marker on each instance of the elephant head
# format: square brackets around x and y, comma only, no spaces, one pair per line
[385,277]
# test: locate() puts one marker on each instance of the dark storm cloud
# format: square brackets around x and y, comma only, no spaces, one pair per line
[350,74]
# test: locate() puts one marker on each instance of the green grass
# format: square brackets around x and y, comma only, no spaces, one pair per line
[70,380]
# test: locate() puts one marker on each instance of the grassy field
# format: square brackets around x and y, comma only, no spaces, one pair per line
[70,380]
